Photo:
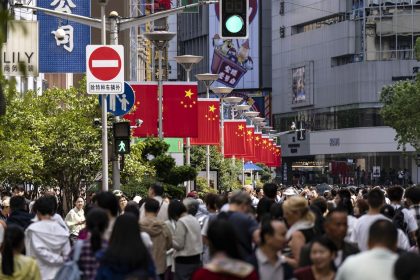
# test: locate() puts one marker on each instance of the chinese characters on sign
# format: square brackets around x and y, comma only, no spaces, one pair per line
[65,7]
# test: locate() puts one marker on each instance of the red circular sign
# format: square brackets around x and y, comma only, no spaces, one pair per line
[105,63]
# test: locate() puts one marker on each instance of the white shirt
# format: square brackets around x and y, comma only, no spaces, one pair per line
[266,270]
[409,218]
[374,264]
[351,224]
[360,233]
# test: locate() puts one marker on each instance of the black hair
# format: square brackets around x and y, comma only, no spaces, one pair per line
[388,211]
[53,200]
[175,209]
[266,228]
[328,217]
[18,188]
[239,198]
[126,248]
[211,201]
[191,204]
[276,211]
[222,238]
[345,201]
[17,203]
[413,193]
[132,208]
[96,223]
[157,189]
[407,266]
[13,240]
[270,190]
[45,205]
[320,203]
[107,201]
[325,242]
[151,205]
[395,193]
[383,232]
[375,198]
[264,207]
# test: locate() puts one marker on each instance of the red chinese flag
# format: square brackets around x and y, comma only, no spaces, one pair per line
[145,108]
[250,143]
[234,138]
[278,156]
[271,154]
[180,110]
[258,143]
[208,122]
[264,150]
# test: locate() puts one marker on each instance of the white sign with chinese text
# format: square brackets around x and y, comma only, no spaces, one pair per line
[21,48]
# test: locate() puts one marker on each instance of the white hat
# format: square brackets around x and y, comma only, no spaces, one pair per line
[290,192]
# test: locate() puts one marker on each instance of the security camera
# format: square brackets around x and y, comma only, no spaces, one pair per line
[60,34]
[96,122]
[139,122]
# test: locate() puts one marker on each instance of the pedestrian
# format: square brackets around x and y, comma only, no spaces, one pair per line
[301,223]
[122,202]
[156,192]
[323,252]
[407,267]
[46,240]
[18,214]
[264,204]
[412,197]
[15,265]
[107,201]
[94,246]
[378,261]
[335,226]
[133,209]
[75,219]
[225,263]
[268,258]
[126,256]
[20,191]
[211,201]
[187,242]
[159,233]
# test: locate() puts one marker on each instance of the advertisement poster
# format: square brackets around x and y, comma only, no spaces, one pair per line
[298,85]
[235,61]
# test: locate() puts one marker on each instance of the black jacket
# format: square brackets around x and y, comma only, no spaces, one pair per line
[20,218]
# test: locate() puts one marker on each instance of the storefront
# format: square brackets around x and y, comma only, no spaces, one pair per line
[347,156]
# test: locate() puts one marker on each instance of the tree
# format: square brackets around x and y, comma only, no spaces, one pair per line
[401,112]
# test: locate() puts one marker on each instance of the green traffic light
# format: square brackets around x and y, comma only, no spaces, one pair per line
[234,24]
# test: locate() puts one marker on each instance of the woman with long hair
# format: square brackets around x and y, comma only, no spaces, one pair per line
[322,254]
[96,223]
[225,260]
[301,222]
[15,265]
[126,256]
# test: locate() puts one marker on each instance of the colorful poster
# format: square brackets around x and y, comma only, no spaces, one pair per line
[298,85]
[235,61]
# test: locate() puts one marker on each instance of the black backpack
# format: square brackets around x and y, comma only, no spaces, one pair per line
[399,221]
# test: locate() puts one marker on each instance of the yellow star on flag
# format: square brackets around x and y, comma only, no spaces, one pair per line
[240,127]
[189,93]
[265,142]
[257,138]
[212,108]
[249,132]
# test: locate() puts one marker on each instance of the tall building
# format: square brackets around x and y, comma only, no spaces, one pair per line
[331,59]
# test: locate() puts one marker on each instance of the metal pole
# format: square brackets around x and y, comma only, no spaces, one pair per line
[188,147]
[116,178]
[104,115]
[160,95]
[222,132]
[243,172]
[208,146]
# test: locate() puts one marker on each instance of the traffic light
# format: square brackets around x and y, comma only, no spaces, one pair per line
[234,20]
[121,137]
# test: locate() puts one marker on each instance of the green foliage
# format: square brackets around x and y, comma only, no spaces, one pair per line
[265,174]
[417,49]
[134,176]
[180,174]
[154,147]
[202,188]
[400,111]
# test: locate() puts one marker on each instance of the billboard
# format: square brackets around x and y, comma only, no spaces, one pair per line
[69,54]
[298,85]
[235,61]
[302,84]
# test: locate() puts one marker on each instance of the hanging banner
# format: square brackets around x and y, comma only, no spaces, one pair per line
[235,61]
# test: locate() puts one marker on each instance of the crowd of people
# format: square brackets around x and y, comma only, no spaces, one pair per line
[269,233]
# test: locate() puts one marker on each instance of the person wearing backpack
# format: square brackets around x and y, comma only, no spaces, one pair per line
[15,265]
[403,217]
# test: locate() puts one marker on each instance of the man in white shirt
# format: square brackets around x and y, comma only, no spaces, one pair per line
[376,263]
[360,233]
[156,192]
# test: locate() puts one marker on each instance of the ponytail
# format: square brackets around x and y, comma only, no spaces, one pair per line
[13,239]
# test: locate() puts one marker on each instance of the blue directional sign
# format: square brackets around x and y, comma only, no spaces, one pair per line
[120,104]
[65,53]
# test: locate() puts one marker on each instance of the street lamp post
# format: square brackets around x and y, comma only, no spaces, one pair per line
[242,108]
[160,40]
[208,79]
[187,62]
[219,91]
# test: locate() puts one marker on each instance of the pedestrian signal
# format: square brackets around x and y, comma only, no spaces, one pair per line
[121,138]
[234,20]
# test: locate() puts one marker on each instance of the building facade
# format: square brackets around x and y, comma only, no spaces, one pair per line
[331,59]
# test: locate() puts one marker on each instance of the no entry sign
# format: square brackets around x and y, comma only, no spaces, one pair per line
[105,69]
